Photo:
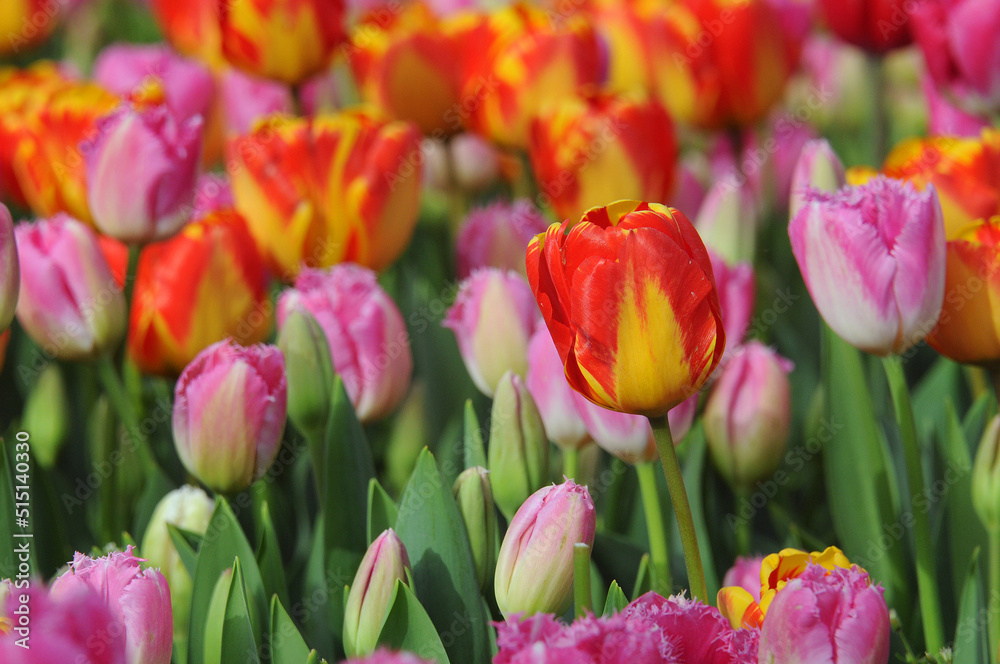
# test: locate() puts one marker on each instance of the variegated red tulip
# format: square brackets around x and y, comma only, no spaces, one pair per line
[585,152]
[24,23]
[204,284]
[874,25]
[330,189]
[629,297]
[192,27]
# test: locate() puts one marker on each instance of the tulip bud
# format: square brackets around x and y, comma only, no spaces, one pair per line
[10,273]
[229,412]
[310,372]
[188,508]
[818,167]
[474,496]
[727,222]
[46,413]
[559,405]
[518,449]
[535,565]
[748,415]
[986,477]
[736,286]
[69,303]
[496,235]
[493,318]
[384,563]
[476,162]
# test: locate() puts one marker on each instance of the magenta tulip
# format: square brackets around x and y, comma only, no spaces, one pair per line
[736,287]
[944,118]
[10,272]
[213,192]
[230,405]
[496,236]
[364,328]
[246,99]
[557,402]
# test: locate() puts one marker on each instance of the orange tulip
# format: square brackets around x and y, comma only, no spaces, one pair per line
[24,23]
[329,189]
[964,171]
[629,298]
[192,27]
[968,329]
[587,152]
[204,284]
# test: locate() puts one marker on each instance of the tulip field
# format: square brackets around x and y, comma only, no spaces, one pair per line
[480,331]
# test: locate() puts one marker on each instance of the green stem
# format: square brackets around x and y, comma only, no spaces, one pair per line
[107,444]
[880,111]
[655,527]
[742,527]
[682,508]
[582,600]
[571,463]
[994,577]
[926,582]
[122,406]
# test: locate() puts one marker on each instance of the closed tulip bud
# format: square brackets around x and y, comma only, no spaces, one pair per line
[496,235]
[557,402]
[535,565]
[474,495]
[69,303]
[309,369]
[199,287]
[518,448]
[229,413]
[493,317]
[818,167]
[873,259]
[141,173]
[46,414]
[986,477]
[364,328]
[384,563]
[748,415]
[139,599]
[188,508]
[247,100]
[874,25]
[727,222]
[10,271]
[737,290]
[477,162]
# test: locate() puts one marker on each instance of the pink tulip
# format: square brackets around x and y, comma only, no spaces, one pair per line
[557,402]
[369,345]
[320,94]
[10,272]
[138,599]
[383,656]
[230,405]
[497,236]
[534,572]
[961,49]
[873,259]
[737,289]
[476,161]
[821,616]
[142,71]
[384,563]
[689,192]
[68,302]
[213,192]
[77,626]
[493,318]
[141,172]
[727,221]
[246,99]
[788,137]
[818,167]
[745,573]
[946,119]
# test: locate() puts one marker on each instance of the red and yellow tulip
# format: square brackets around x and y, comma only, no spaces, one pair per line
[192,27]
[330,189]
[629,298]
[585,152]
[205,284]
[24,23]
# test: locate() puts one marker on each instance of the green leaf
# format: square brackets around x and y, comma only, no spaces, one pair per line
[216,618]
[272,569]
[971,644]
[382,511]
[286,643]
[930,396]
[978,416]
[408,627]
[8,559]
[616,600]
[643,583]
[230,639]
[187,545]
[431,528]
[472,436]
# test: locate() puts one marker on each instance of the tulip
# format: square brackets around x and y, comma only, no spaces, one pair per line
[629,299]
[873,259]
[246,100]
[190,509]
[229,413]
[518,449]
[496,235]
[958,40]
[477,162]
[24,23]
[212,193]
[736,287]
[310,372]
[689,193]
[203,285]
[585,152]
[727,221]
[745,573]
[385,562]
[383,656]
[10,272]
[789,136]
[946,119]
[874,25]
[69,302]
[823,616]
[138,599]
[965,173]
[331,189]
[818,167]
[535,565]
[492,318]
[366,333]
[192,27]
[748,416]
[835,85]
[141,173]
[986,477]
[47,416]
[474,495]
[557,402]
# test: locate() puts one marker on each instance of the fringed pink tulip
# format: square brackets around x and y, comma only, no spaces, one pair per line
[10,272]
[369,345]
[873,259]
[496,236]
[230,405]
